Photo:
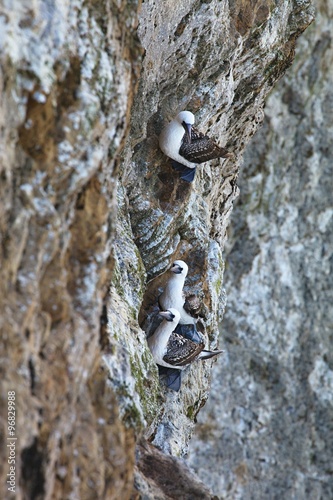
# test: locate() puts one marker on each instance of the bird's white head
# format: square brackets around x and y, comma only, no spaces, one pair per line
[185,117]
[171,315]
[179,267]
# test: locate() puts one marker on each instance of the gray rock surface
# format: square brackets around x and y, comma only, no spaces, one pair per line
[266,431]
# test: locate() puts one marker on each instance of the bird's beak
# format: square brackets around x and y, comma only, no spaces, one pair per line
[187,127]
[176,269]
[167,315]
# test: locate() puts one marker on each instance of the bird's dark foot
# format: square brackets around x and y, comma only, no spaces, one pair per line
[186,173]
[171,377]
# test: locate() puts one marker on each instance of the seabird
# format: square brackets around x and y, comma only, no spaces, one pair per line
[187,147]
[173,351]
[172,295]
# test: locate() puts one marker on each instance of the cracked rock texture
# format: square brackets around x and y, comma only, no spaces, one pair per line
[266,431]
[92,214]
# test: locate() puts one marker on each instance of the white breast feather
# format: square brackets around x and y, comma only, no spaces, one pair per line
[170,141]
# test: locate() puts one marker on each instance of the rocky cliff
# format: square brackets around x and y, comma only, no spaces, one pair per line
[266,431]
[92,214]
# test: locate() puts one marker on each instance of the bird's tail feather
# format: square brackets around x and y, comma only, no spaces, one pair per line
[209,354]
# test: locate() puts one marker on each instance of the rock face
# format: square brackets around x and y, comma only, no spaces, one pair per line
[266,431]
[92,214]
[67,85]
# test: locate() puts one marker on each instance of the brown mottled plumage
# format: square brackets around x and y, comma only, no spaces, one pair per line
[192,305]
[201,148]
[182,351]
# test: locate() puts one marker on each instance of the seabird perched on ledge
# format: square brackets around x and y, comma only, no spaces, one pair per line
[187,147]
[174,351]
[173,297]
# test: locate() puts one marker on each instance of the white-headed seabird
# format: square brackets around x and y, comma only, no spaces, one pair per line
[173,351]
[172,295]
[187,147]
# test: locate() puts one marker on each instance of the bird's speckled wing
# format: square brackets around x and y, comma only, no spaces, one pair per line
[189,332]
[182,351]
[201,148]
